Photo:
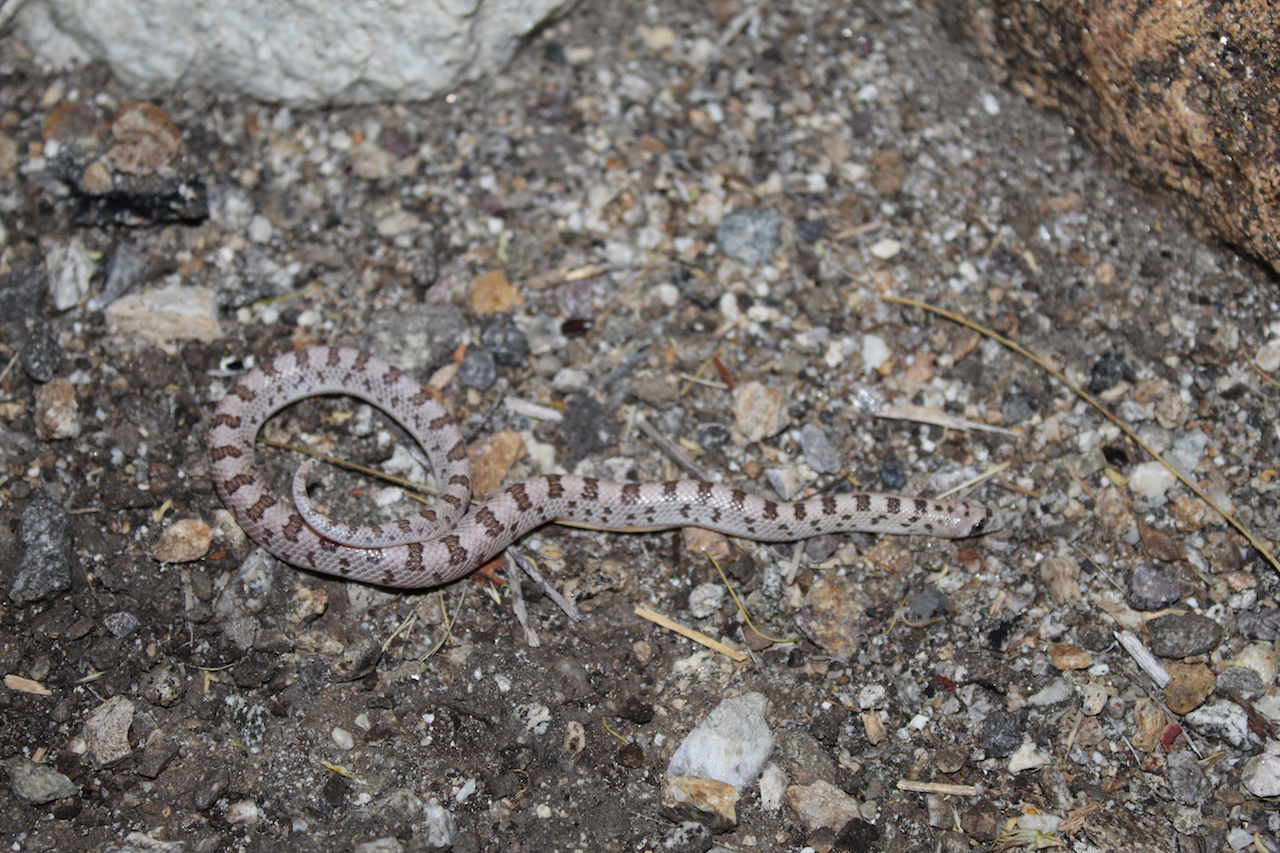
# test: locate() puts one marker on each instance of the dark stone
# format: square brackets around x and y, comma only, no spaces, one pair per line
[1182,635]
[925,602]
[630,755]
[358,660]
[335,790]
[1107,373]
[124,270]
[212,786]
[1016,407]
[1150,589]
[156,755]
[981,821]
[636,710]
[1187,781]
[1240,681]
[711,436]
[478,370]
[1001,734]
[893,475]
[143,200]
[41,356]
[502,337]
[22,290]
[45,568]
[857,836]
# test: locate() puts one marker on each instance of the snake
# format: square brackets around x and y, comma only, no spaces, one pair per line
[449,539]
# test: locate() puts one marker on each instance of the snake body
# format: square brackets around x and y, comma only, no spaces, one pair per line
[445,542]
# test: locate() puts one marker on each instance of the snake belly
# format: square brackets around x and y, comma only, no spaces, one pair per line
[445,542]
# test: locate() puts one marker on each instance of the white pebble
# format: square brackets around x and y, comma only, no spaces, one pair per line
[244,813]
[343,739]
[1151,480]
[260,229]
[875,352]
[705,599]
[730,745]
[1027,757]
[886,248]
[668,294]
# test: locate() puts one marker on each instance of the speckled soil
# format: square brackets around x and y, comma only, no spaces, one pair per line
[274,709]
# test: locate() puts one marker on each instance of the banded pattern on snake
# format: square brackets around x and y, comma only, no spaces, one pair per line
[444,542]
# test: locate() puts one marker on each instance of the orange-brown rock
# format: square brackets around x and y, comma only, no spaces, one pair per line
[1182,96]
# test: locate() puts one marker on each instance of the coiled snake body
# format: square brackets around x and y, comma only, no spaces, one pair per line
[444,542]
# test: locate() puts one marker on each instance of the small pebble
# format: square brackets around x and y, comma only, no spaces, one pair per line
[893,475]
[1188,688]
[1016,407]
[710,802]
[1066,657]
[822,804]
[759,411]
[925,602]
[343,739]
[875,352]
[1179,635]
[886,248]
[183,541]
[819,452]
[45,566]
[57,411]
[1000,735]
[479,369]
[1261,777]
[1241,681]
[1149,589]
[492,293]
[174,312]
[1027,757]
[1187,451]
[37,784]
[501,336]
[705,599]
[587,428]
[710,436]
[244,813]
[1187,781]
[811,230]
[1223,720]
[1151,480]
[71,270]
[750,235]
[41,357]
[107,731]
[1093,698]
[1107,373]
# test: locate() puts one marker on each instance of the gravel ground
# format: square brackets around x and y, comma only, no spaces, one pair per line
[657,214]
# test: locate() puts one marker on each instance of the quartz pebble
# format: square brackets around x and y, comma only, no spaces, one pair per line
[759,411]
[730,745]
[822,804]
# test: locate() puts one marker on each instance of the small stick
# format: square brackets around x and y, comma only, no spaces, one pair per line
[696,636]
[939,788]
